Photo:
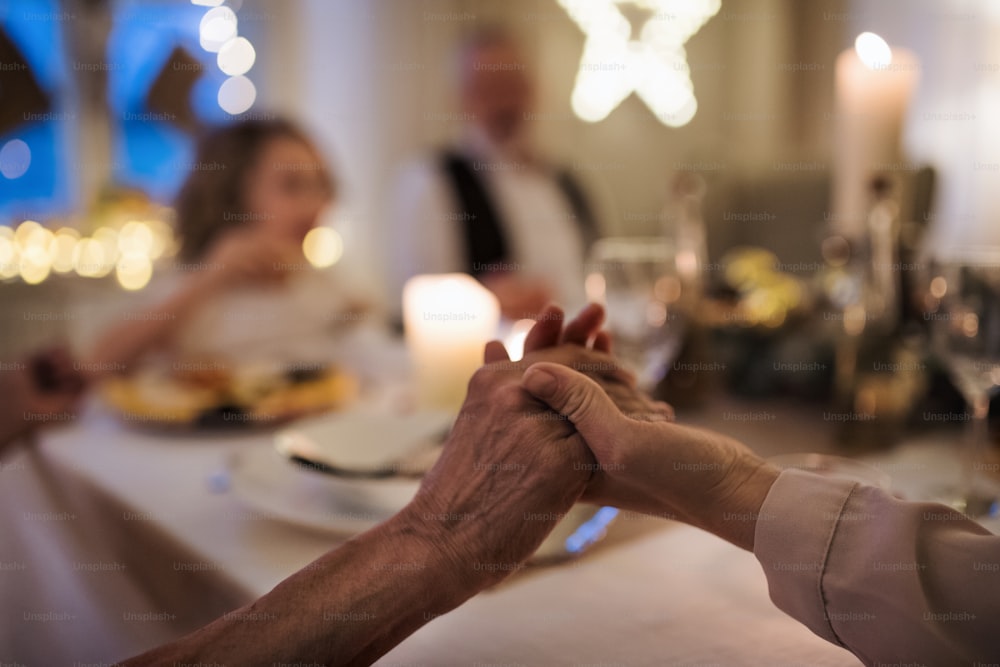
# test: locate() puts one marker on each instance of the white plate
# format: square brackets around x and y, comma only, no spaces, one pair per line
[365,441]
[267,482]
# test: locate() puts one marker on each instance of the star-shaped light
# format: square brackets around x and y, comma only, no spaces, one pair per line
[654,65]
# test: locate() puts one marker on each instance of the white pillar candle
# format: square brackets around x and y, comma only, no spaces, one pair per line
[448,319]
[874,85]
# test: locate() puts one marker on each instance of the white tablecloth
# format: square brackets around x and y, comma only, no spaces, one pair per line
[114,541]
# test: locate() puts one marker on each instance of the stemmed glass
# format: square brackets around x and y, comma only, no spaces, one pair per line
[637,280]
[963,299]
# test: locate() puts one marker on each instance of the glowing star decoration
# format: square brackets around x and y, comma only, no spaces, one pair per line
[654,66]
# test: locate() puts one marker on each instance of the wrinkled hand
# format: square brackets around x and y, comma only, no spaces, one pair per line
[507,474]
[660,468]
[584,347]
[511,467]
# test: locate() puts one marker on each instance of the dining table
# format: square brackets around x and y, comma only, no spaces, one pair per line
[116,539]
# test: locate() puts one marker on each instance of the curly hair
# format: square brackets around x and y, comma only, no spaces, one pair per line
[215,189]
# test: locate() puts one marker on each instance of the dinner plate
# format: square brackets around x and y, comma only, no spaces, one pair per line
[266,481]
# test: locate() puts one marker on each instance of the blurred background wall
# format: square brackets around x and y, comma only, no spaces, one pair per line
[374,81]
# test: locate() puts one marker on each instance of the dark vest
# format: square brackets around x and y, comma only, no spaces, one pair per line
[483,231]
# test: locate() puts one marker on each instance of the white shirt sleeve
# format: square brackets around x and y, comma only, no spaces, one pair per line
[423,231]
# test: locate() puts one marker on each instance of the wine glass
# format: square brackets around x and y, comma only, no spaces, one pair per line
[963,299]
[637,280]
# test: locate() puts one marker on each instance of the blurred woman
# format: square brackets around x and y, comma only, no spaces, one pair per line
[243,289]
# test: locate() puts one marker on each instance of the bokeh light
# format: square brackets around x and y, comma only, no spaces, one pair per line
[135,238]
[89,259]
[218,26]
[323,247]
[939,287]
[15,158]
[133,270]
[237,94]
[163,239]
[27,233]
[35,264]
[236,56]
[62,249]
[33,252]
[9,264]
[108,238]
[614,65]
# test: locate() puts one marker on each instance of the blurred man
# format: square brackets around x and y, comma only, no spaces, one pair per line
[489,206]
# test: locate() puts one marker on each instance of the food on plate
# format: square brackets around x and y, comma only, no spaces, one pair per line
[199,394]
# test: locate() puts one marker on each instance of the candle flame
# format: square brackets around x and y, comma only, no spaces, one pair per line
[873,51]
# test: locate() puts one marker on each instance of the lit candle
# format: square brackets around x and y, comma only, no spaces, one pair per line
[448,319]
[874,85]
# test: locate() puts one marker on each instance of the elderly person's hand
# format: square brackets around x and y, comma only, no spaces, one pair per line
[661,468]
[584,347]
[508,473]
[511,468]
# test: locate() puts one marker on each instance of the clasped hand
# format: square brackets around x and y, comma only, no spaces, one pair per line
[565,423]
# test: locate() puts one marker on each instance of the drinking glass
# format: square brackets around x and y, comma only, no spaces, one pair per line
[637,280]
[963,297]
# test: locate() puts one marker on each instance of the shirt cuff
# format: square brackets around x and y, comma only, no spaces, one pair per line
[794,532]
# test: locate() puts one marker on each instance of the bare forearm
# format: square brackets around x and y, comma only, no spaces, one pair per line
[347,608]
[657,466]
[125,343]
[723,495]
[735,517]
[711,481]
